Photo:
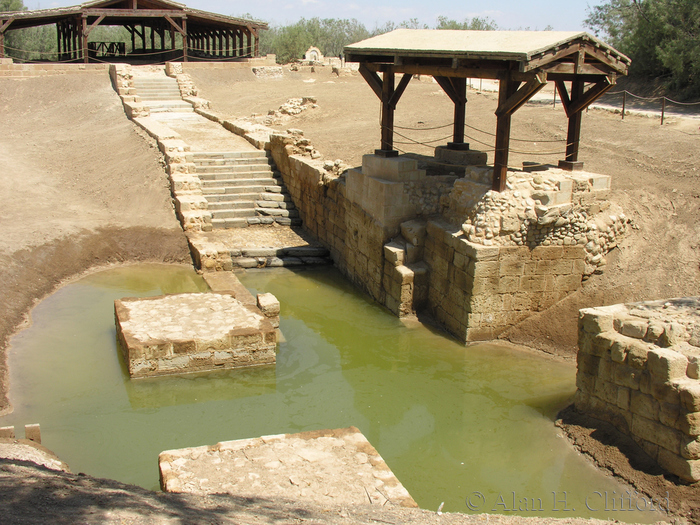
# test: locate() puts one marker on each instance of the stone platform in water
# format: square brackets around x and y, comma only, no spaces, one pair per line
[184,333]
[325,467]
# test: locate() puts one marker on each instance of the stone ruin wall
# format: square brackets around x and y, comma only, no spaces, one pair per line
[639,369]
[477,260]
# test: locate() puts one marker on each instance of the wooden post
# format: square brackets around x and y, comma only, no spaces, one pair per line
[573,136]
[663,109]
[4,24]
[624,103]
[460,85]
[387,143]
[506,88]
[84,38]
[249,43]
[185,39]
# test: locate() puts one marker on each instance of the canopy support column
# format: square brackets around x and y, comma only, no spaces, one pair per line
[456,89]
[506,89]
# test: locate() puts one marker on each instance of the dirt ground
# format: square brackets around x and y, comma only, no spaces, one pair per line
[83,188]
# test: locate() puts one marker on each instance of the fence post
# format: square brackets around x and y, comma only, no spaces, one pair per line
[624,103]
[663,109]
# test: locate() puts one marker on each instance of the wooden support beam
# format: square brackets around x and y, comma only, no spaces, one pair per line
[522,95]
[372,79]
[507,88]
[94,25]
[403,84]
[456,89]
[592,94]
[4,24]
[175,25]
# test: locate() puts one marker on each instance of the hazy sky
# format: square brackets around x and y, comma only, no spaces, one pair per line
[508,14]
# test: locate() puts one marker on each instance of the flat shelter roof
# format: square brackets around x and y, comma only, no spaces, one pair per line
[522,61]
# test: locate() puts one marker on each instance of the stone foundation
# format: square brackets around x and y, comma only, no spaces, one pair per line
[639,369]
[184,333]
[478,260]
[327,467]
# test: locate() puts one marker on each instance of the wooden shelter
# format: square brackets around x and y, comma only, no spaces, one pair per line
[154,26]
[582,67]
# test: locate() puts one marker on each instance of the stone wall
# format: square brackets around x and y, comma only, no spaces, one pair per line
[478,260]
[9,69]
[638,368]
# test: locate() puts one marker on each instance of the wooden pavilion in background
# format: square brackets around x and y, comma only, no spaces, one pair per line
[154,24]
[582,67]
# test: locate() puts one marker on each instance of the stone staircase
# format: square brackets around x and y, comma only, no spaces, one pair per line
[242,188]
[161,94]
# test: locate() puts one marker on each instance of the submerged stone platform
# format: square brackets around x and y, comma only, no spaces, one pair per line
[326,467]
[184,333]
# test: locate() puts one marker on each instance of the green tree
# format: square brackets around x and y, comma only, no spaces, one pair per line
[475,24]
[662,37]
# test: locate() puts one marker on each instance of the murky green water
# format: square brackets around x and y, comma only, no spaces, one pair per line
[471,427]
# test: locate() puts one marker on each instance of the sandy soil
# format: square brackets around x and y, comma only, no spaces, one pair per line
[82,188]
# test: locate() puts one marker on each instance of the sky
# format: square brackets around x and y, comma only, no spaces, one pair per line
[508,14]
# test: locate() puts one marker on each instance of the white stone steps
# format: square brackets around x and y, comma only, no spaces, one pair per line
[214,155]
[234,168]
[226,183]
[228,205]
[264,162]
[211,178]
[233,213]
[278,212]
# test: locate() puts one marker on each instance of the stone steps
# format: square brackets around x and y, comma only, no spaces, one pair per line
[243,174]
[280,257]
[242,189]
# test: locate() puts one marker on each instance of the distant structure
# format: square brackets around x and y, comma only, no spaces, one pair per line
[160,30]
[313,54]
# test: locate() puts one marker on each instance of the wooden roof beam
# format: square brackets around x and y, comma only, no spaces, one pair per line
[522,95]
[93,25]
[4,24]
[129,13]
[448,86]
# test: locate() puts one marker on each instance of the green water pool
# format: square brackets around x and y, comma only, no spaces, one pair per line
[468,426]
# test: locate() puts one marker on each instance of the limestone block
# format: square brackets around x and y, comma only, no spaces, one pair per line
[394,169]
[623,398]
[585,382]
[33,433]
[606,368]
[690,447]
[636,328]
[664,391]
[587,363]
[618,351]
[690,423]
[656,433]
[627,376]
[688,470]
[394,253]
[637,354]
[414,231]
[594,321]
[7,432]
[268,304]
[606,391]
[644,405]
[690,395]
[669,414]
[667,365]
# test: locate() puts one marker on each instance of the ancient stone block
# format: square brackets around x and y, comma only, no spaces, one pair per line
[689,423]
[627,376]
[656,433]
[690,395]
[637,354]
[687,470]
[667,364]
[636,328]
[7,432]
[644,405]
[623,398]
[690,447]
[595,322]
